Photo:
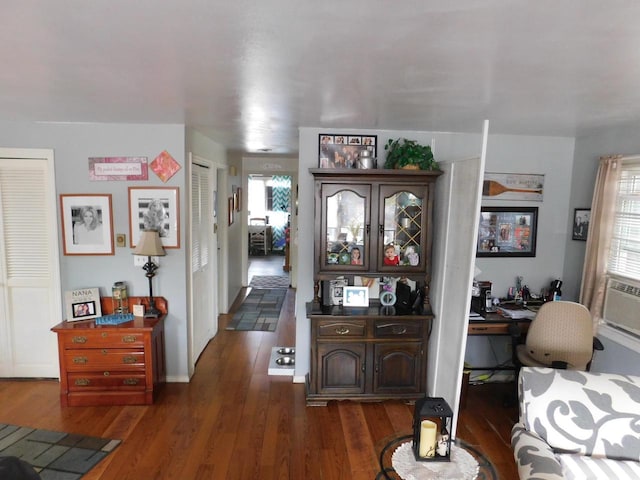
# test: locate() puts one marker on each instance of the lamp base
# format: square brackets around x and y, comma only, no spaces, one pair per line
[152,311]
[151,315]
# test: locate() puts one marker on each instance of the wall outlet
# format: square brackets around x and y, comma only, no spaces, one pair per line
[140,260]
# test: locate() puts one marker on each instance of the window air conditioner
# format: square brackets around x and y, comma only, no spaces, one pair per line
[622,306]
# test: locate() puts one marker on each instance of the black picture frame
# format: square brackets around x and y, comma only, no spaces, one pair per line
[343,151]
[580,228]
[507,232]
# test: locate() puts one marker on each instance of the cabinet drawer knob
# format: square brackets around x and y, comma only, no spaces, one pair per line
[105,334]
[129,338]
[130,381]
[82,382]
[106,374]
[342,330]
[79,339]
[129,359]
[80,360]
[105,351]
[399,329]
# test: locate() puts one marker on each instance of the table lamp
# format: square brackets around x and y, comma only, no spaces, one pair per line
[150,245]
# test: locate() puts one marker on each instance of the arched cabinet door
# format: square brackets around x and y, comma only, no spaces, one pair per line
[342,368]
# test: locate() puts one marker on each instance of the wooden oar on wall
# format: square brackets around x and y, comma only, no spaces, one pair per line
[491,188]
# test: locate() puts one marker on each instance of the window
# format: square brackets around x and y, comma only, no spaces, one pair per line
[624,256]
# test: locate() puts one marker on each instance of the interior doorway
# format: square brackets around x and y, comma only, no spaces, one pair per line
[269,223]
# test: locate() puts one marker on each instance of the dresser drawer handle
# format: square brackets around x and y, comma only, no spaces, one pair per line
[342,330]
[129,359]
[105,334]
[80,360]
[105,351]
[130,381]
[129,338]
[106,374]
[79,339]
[82,382]
[398,329]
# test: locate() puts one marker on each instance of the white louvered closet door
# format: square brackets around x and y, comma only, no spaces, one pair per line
[30,302]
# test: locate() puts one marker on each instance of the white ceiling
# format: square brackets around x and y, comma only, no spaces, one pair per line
[249,73]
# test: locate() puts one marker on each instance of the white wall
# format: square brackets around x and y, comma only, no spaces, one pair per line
[552,157]
[73,144]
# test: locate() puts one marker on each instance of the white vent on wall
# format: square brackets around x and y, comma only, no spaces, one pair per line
[622,306]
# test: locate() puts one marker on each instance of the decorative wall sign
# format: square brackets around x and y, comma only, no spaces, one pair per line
[165,166]
[343,151]
[507,232]
[513,186]
[155,209]
[87,224]
[118,169]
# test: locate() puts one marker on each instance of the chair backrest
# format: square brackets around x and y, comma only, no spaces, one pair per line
[257,221]
[561,332]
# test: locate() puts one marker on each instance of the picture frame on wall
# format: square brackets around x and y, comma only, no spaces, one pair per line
[231,209]
[343,151]
[155,208]
[507,232]
[87,224]
[581,219]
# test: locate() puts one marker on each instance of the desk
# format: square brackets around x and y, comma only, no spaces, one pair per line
[496,324]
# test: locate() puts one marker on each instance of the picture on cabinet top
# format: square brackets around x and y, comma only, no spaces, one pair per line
[346,151]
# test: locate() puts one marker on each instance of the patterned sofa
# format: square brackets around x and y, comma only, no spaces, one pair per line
[577,425]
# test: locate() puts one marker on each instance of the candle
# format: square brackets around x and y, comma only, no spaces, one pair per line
[427,438]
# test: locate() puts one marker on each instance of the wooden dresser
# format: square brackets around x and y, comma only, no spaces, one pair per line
[112,364]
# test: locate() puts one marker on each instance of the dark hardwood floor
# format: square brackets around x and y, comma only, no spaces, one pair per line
[233,421]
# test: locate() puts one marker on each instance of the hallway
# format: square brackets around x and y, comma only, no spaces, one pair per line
[266,265]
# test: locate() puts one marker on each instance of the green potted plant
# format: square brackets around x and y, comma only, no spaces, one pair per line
[409,154]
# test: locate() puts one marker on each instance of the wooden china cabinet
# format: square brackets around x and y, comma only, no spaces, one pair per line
[375,352]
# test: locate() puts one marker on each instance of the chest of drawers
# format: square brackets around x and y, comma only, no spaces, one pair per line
[111,364]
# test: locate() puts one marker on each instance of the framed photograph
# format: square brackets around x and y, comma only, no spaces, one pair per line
[231,206]
[507,232]
[355,297]
[82,304]
[581,218]
[239,205]
[342,151]
[155,208]
[87,224]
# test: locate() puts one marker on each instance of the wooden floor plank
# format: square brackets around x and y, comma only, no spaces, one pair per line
[233,421]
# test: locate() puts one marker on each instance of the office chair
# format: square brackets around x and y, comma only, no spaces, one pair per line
[560,336]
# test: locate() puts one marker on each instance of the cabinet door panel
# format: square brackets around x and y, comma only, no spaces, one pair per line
[346,223]
[342,368]
[403,217]
[398,368]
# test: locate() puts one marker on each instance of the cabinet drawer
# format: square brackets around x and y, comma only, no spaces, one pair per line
[97,380]
[398,329]
[103,338]
[341,329]
[104,358]
[488,329]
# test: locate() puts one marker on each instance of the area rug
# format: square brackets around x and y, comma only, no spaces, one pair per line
[54,455]
[269,281]
[259,311]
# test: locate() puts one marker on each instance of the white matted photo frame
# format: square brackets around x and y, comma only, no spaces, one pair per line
[155,208]
[87,224]
[355,297]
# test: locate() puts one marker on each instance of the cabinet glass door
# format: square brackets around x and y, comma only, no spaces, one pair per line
[346,228]
[403,229]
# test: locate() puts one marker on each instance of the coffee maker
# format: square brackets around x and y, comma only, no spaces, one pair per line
[481,300]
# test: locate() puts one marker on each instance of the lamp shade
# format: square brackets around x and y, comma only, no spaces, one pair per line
[149,245]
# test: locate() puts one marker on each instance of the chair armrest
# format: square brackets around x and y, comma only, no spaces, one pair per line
[597,344]
[534,457]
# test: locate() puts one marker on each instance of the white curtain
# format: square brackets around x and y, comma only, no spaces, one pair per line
[594,279]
